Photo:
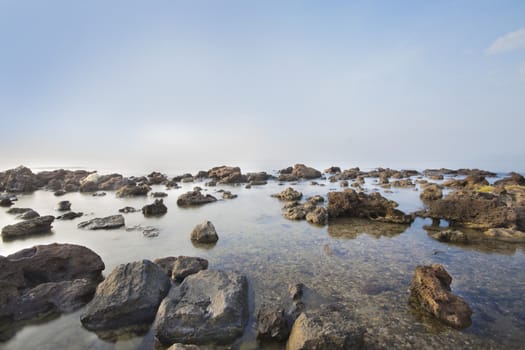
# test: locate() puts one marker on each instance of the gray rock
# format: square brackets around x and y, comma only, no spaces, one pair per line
[70,216]
[327,329]
[63,206]
[156,209]
[28,227]
[127,210]
[28,215]
[6,202]
[133,190]
[129,296]
[194,198]
[272,324]
[166,263]
[18,210]
[452,236]
[204,233]
[159,194]
[186,265]
[208,307]
[109,222]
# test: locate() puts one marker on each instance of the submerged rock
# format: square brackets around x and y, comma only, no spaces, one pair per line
[272,324]
[452,236]
[46,279]
[204,233]
[361,205]
[194,198]
[129,296]
[328,328]
[209,307]
[505,235]
[155,209]
[28,227]
[430,290]
[106,223]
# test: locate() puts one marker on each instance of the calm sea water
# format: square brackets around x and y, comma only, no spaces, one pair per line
[364,266]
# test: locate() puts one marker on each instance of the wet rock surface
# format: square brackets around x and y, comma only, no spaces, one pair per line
[272,324]
[44,280]
[209,307]
[28,227]
[430,290]
[133,190]
[129,296]
[106,223]
[155,209]
[204,233]
[184,266]
[194,198]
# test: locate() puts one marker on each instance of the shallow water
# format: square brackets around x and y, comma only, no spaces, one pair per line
[364,266]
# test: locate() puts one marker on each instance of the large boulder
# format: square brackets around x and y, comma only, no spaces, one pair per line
[372,206]
[302,171]
[328,329]
[430,290]
[226,174]
[129,296]
[155,209]
[204,233]
[34,226]
[46,279]
[106,223]
[194,198]
[209,307]
[20,179]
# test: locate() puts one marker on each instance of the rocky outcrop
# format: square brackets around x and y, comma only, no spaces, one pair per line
[193,198]
[204,233]
[156,209]
[361,205]
[157,178]
[470,182]
[133,190]
[272,324]
[431,192]
[299,171]
[514,179]
[106,223]
[207,307]
[128,297]
[333,170]
[226,174]
[329,328]
[28,227]
[288,195]
[43,280]
[20,179]
[430,290]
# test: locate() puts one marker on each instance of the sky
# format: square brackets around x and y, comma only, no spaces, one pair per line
[171,84]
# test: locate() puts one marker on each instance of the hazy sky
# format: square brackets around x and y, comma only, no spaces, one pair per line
[169,84]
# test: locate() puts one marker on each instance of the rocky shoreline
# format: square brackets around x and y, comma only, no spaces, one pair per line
[211,306]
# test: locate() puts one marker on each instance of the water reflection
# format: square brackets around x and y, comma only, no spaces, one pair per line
[351,228]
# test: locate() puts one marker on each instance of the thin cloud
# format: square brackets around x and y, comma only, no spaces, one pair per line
[509,42]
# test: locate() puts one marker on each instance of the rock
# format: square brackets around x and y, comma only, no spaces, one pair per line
[179,346]
[452,236]
[470,182]
[288,195]
[301,171]
[150,232]
[287,177]
[194,198]
[133,190]
[257,179]
[228,195]
[60,193]
[296,291]
[297,212]
[361,205]
[514,179]
[99,194]
[156,178]
[272,324]
[155,209]
[505,235]
[479,210]
[186,265]
[204,233]
[208,307]
[16,210]
[88,186]
[211,183]
[333,170]
[20,179]
[318,216]
[166,264]
[431,192]
[28,215]
[226,174]
[187,179]
[127,210]
[46,279]
[6,202]
[159,194]
[329,328]
[63,206]
[430,290]
[343,183]
[129,296]
[70,216]
[28,227]
[406,183]
[108,222]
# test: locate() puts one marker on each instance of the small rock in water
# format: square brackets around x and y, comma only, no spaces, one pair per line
[150,232]
[109,222]
[63,206]
[159,194]
[70,216]
[204,233]
[126,210]
[228,195]
[30,214]
[155,209]
[37,225]
[272,324]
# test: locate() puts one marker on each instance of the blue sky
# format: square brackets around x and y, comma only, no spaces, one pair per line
[194,83]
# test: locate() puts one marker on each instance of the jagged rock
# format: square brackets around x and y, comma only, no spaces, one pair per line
[272,324]
[155,209]
[452,236]
[45,279]
[318,216]
[20,179]
[129,296]
[63,206]
[106,223]
[194,198]
[207,307]
[333,170]
[328,328]
[28,227]
[431,192]
[430,290]
[166,264]
[288,195]
[204,233]
[226,174]
[297,212]
[70,216]
[304,172]
[361,205]
[133,190]
[184,266]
